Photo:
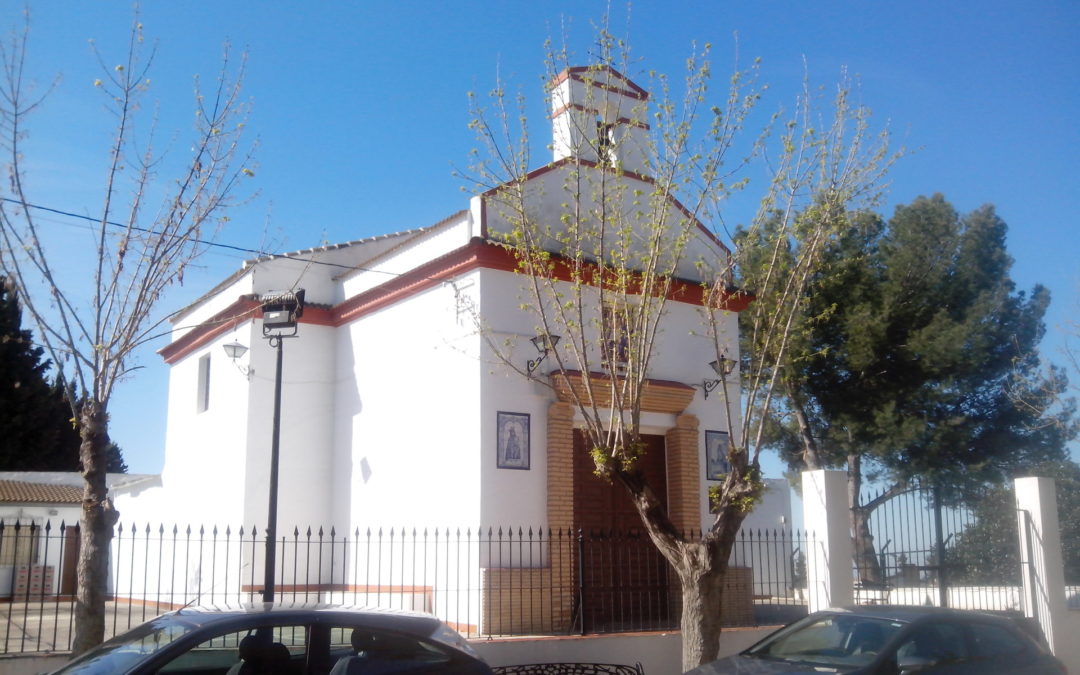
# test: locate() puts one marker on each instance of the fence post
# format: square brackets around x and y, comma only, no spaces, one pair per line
[581,578]
[829,578]
[939,550]
[1040,552]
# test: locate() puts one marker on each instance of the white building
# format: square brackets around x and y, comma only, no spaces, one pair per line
[39,515]
[392,398]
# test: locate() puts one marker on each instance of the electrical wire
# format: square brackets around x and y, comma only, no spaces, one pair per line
[207,242]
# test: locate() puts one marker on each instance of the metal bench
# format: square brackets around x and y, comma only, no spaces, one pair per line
[570,669]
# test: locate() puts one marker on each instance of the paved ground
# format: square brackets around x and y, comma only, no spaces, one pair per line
[46,627]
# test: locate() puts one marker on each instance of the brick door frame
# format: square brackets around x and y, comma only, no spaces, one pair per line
[682,443]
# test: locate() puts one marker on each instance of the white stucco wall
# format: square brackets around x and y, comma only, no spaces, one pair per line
[419,249]
[204,477]
[307,405]
[407,434]
[569,190]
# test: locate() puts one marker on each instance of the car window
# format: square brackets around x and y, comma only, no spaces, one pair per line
[937,642]
[992,641]
[122,652]
[365,649]
[831,640]
[270,647]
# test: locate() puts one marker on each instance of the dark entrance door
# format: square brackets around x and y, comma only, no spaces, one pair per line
[69,562]
[625,580]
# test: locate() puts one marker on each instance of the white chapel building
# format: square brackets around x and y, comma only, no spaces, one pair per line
[391,397]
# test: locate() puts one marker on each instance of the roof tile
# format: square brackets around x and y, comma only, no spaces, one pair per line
[19,492]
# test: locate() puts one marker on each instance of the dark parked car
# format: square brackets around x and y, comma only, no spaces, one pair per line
[894,640]
[302,639]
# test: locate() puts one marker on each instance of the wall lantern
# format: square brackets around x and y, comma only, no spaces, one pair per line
[234,350]
[723,367]
[545,344]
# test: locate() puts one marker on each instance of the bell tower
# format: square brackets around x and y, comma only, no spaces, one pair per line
[599,116]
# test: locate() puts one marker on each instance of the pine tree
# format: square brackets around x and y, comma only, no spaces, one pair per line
[36,433]
[921,362]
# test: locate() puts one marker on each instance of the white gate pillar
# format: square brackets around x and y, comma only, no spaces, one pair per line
[1043,595]
[829,577]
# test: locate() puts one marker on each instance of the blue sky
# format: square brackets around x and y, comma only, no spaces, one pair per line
[360,111]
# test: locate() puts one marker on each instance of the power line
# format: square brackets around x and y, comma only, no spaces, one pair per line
[206,242]
[215,244]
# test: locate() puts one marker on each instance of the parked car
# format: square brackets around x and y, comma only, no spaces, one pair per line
[894,640]
[275,638]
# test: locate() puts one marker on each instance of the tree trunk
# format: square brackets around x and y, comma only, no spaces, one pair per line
[811,454]
[701,564]
[701,574]
[866,560]
[98,518]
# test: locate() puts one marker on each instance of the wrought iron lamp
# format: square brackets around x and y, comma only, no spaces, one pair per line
[723,367]
[545,344]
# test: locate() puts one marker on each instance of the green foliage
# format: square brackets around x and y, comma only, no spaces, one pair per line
[740,495]
[36,429]
[917,353]
[36,433]
[987,552]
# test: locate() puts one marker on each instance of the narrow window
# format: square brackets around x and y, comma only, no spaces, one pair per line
[203,404]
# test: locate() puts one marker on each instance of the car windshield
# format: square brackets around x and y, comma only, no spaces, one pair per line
[831,640]
[124,651]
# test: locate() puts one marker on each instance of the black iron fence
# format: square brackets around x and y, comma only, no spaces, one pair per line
[485,582]
[915,549]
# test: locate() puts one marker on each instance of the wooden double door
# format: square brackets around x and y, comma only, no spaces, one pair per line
[626,582]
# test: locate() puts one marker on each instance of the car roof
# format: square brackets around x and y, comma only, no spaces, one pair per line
[912,613]
[394,619]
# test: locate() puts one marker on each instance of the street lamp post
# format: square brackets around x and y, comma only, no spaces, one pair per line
[280,313]
[275,341]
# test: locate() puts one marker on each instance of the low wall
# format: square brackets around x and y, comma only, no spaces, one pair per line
[658,653]
[1069,652]
[18,664]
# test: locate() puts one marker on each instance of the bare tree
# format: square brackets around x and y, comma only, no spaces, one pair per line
[156,216]
[605,251]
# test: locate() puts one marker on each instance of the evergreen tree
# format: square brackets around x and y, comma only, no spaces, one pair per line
[921,362]
[36,433]
[987,551]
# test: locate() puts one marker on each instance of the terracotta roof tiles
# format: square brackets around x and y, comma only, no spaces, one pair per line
[20,492]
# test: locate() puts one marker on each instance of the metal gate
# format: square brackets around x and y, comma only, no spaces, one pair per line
[913,548]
